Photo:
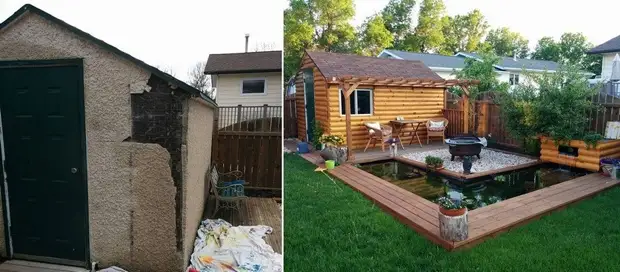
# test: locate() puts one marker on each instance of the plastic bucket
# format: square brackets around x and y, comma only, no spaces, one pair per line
[330,164]
[303,147]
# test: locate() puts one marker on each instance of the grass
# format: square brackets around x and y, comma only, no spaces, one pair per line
[330,227]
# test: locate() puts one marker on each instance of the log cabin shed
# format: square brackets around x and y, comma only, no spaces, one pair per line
[378,90]
[103,156]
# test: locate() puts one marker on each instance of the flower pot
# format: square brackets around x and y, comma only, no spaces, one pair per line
[447,212]
[330,164]
[434,167]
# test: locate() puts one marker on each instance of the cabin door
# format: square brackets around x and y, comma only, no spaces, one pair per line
[42,115]
[309,98]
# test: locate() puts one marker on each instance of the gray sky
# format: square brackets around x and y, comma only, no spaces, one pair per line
[597,19]
[174,34]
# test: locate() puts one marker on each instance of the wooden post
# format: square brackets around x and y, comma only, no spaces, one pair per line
[453,228]
[265,121]
[348,90]
[238,124]
[482,118]
[465,110]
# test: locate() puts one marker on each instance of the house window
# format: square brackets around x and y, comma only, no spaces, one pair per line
[361,102]
[514,79]
[253,86]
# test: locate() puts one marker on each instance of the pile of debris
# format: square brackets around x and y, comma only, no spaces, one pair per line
[221,247]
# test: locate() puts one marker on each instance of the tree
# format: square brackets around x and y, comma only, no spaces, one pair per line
[298,34]
[397,19]
[167,70]
[506,43]
[547,49]
[551,104]
[570,50]
[199,80]
[263,46]
[484,71]
[374,36]
[463,33]
[428,35]
[316,24]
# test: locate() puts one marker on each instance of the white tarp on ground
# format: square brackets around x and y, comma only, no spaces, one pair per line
[221,247]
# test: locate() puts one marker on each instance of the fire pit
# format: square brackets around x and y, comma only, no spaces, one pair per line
[464,146]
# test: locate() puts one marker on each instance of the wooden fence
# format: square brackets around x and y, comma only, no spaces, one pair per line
[491,125]
[608,110]
[290,118]
[456,122]
[249,139]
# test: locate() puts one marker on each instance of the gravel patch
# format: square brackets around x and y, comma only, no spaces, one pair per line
[489,160]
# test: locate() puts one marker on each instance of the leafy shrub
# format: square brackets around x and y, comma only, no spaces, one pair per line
[555,105]
[450,204]
[433,162]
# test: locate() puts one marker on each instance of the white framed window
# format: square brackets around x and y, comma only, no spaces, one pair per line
[253,86]
[361,102]
[514,79]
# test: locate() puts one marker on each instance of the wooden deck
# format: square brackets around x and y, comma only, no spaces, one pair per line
[374,154]
[257,211]
[421,214]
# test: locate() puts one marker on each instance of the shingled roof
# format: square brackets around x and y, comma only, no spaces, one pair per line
[340,65]
[612,45]
[252,62]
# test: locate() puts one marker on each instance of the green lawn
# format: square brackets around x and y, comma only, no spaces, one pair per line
[330,227]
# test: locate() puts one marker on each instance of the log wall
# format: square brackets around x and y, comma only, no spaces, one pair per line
[588,159]
[388,102]
[320,99]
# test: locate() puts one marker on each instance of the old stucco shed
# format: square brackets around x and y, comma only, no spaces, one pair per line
[104,156]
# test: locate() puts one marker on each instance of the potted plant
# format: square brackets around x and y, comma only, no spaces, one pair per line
[433,163]
[333,148]
[317,134]
[451,207]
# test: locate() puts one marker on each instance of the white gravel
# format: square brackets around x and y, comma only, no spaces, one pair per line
[489,159]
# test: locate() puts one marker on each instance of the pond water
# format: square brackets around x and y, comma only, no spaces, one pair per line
[475,193]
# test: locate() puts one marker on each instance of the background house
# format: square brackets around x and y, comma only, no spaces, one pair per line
[247,79]
[608,50]
[105,155]
[509,69]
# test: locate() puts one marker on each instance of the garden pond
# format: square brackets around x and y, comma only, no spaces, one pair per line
[475,193]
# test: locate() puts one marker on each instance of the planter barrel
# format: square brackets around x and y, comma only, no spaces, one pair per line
[453,228]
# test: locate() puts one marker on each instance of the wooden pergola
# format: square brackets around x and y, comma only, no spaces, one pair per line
[350,83]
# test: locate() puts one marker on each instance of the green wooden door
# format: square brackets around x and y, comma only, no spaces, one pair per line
[42,119]
[309,95]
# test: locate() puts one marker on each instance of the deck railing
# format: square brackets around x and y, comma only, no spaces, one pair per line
[250,118]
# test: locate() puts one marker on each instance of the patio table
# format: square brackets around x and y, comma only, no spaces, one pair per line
[399,125]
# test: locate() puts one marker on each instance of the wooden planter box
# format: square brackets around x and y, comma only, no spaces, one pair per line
[588,159]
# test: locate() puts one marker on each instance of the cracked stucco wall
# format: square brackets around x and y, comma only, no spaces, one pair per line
[107,81]
[197,158]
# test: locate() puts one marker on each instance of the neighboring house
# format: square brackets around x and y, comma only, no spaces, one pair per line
[247,79]
[608,50]
[509,70]
[104,155]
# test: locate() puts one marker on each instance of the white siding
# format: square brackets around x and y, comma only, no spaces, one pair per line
[503,76]
[608,58]
[229,90]
[445,75]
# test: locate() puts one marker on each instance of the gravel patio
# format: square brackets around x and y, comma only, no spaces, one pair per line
[489,159]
